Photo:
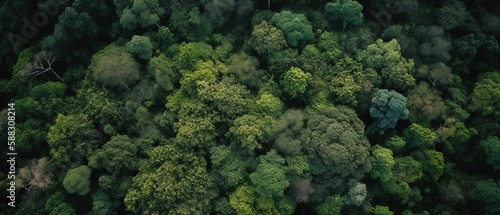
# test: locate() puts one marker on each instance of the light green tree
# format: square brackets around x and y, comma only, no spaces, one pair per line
[294,81]
[77,180]
[113,66]
[382,162]
[170,181]
[485,97]
[267,39]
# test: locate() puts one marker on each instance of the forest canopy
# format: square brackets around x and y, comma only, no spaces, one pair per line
[250,107]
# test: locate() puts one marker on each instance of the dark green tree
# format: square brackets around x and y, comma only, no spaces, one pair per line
[492,148]
[387,108]
[345,12]
[141,13]
[116,156]
[296,27]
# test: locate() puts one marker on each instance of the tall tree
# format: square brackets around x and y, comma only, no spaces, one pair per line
[140,46]
[387,108]
[345,12]
[267,39]
[72,135]
[170,181]
[337,148]
[77,180]
[294,82]
[113,66]
[492,148]
[485,97]
[296,27]
[142,13]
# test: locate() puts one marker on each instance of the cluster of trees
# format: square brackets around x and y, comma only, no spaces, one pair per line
[249,107]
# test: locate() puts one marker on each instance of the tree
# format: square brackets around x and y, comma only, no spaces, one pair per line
[170,181]
[453,14]
[77,180]
[437,74]
[71,135]
[387,108]
[294,81]
[249,130]
[434,45]
[356,195]
[302,190]
[245,68]
[143,13]
[337,148]
[492,148]
[288,131]
[102,205]
[385,58]
[331,206]
[34,176]
[417,136]
[344,87]
[485,97]
[229,165]
[55,205]
[432,164]
[114,66]
[382,210]
[382,162]
[267,39]
[162,69]
[41,63]
[488,191]
[425,104]
[269,180]
[116,156]
[345,12]
[296,27]
[268,104]
[141,46]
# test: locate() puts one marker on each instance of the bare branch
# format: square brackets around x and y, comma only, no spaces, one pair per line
[42,63]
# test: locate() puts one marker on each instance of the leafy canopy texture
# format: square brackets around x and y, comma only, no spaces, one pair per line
[77,180]
[171,181]
[345,12]
[117,155]
[71,134]
[486,95]
[296,27]
[337,147]
[492,148]
[267,39]
[295,81]
[387,108]
[114,66]
[142,13]
[141,46]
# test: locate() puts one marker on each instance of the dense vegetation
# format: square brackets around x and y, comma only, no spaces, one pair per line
[252,107]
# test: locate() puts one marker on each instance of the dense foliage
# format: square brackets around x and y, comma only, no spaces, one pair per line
[252,107]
